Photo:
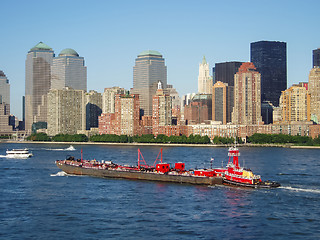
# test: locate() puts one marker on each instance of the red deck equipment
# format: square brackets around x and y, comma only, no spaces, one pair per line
[179,166]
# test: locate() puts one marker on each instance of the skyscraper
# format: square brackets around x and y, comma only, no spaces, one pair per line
[4,89]
[38,81]
[149,69]
[204,78]
[316,58]
[247,99]
[68,70]
[270,59]
[224,72]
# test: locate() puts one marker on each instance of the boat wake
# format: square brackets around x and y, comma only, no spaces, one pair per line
[71,148]
[301,189]
[63,174]
[3,156]
[59,174]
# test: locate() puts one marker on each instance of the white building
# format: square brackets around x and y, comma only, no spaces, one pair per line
[205,81]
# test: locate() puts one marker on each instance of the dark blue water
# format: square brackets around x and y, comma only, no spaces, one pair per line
[37,203]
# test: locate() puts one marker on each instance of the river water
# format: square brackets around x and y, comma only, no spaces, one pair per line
[38,201]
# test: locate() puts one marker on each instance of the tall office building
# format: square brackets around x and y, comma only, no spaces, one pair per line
[247,99]
[68,70]
[38,81]
[4,89]
[66,111]
[222,102]
[149,69]
[270,59]
[316,58]
[204,78]
[314,90]
[225,71]
[295,105]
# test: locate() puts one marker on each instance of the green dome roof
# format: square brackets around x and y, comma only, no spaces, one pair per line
[41,46]
[68,52]
[150,52]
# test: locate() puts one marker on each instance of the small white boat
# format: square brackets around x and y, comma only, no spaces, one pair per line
[18,153]
[71,148]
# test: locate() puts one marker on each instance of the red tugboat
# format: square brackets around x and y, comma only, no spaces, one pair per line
[239,176]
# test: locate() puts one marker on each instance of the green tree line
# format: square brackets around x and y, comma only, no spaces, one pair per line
[58,137]
[146,138]
[257,138]
[150,138]
[260,138]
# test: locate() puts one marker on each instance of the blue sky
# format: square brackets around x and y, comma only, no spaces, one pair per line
[110,35]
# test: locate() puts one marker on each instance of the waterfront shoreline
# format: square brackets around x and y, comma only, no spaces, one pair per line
[165,144]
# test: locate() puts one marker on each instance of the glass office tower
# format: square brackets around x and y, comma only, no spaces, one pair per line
[148,71]
[270,59]
[68,70]
[38,81]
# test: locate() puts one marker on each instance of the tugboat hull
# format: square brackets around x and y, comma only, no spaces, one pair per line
[265,184]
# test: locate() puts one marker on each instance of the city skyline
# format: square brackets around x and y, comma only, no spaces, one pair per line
[110,36]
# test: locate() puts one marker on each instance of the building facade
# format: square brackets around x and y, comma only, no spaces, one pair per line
[4,118]
[316,58]
[108,98]
[68,70]
[314,90]
[199,109]
[126,118]
[38,83]
[295,105]
[162,111]
[127,114]
[222,102]
[270,59]
[66,111]
[247,98]
[149,69]
[204,78]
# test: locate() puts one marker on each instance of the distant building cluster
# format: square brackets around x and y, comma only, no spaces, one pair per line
[238,99]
